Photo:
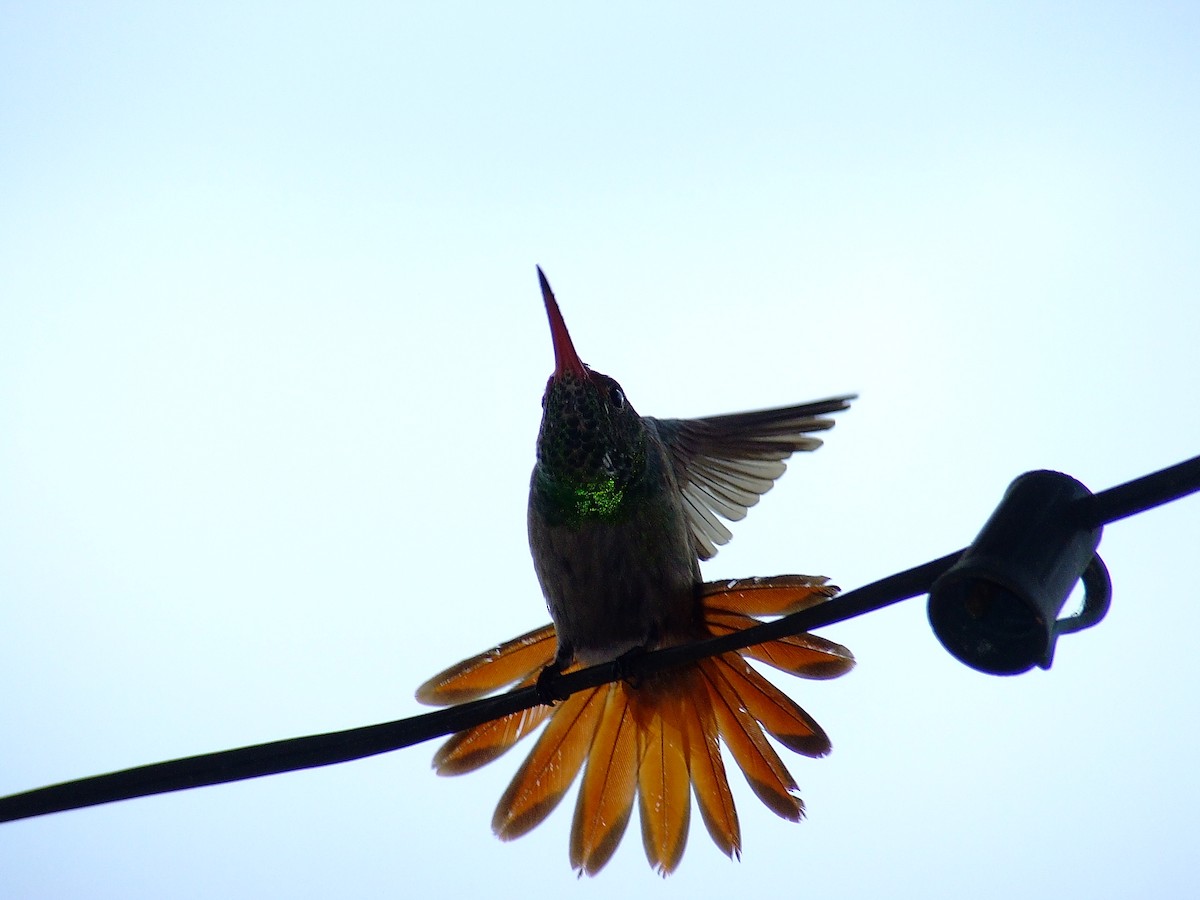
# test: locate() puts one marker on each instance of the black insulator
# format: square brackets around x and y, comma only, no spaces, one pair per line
[996,609]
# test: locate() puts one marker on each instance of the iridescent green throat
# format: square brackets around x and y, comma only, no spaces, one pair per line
[573,502]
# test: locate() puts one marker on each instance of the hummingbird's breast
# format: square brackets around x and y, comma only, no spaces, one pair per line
[620,577]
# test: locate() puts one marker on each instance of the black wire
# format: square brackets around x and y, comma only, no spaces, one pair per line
[356,743]
[1141,494]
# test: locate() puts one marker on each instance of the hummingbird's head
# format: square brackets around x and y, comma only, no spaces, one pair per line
[590,435]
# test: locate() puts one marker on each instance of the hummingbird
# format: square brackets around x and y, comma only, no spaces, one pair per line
[622,510]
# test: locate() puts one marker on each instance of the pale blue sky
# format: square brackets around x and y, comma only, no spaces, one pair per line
[271,350]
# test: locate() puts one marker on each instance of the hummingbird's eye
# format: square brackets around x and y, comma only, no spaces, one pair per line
[616,397]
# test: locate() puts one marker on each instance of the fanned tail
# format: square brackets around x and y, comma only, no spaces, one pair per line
[657,740]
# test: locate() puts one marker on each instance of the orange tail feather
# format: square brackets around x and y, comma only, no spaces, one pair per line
[775,596]
[468,750]
[664,795]
[774,710]
[551,766]
[765,772]
[713,795]
[491,670]
[803,655]
[609,782]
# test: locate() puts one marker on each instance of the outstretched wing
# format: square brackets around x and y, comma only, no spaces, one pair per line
[725,463]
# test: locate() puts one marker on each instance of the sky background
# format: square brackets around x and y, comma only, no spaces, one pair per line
[271,351]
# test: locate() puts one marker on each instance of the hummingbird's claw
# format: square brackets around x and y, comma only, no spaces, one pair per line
[547,686]
[621,667]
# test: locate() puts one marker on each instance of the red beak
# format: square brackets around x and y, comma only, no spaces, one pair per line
[566,360]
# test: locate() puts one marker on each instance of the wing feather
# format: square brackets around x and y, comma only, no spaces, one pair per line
[707,530]
[725,501]
[723,464]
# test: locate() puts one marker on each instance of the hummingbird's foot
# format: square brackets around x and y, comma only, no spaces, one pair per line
[546,686]
[623,664]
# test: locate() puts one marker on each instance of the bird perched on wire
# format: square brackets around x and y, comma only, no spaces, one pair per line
[622,508]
